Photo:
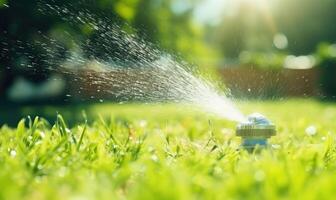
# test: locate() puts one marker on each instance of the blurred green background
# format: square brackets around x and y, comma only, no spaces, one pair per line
[239,41]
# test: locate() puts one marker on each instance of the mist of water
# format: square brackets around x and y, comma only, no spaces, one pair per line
[127,67]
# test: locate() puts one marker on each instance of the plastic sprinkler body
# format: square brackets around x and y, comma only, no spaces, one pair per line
[255,131]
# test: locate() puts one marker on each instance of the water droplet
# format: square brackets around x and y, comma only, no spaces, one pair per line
[276,146]
[311,130]
[12,153]
[154,158]
[259,176]
[142,123]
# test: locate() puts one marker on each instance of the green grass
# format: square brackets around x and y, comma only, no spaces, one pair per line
[167,152]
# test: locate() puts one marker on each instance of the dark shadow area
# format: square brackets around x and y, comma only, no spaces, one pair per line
[11,114]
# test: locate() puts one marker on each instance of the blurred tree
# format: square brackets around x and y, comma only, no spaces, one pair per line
[252,26]
[326,55]
[145,23]
[20,23]
[306,23]
[170,24]
[245,29]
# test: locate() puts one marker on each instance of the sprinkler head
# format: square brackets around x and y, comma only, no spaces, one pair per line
[255,131]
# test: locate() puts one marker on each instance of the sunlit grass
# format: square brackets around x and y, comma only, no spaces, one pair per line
[167,152]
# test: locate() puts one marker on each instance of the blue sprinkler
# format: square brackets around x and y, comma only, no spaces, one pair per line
[255,131]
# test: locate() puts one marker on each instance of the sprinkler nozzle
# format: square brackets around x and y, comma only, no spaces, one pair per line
[255,131]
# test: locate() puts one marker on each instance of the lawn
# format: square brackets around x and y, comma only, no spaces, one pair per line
[168,152]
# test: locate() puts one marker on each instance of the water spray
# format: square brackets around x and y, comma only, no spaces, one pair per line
[124,67]
[255,131]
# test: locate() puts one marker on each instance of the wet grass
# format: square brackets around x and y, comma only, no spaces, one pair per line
[167,152]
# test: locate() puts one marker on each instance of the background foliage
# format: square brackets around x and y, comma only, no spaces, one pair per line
[183,28]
